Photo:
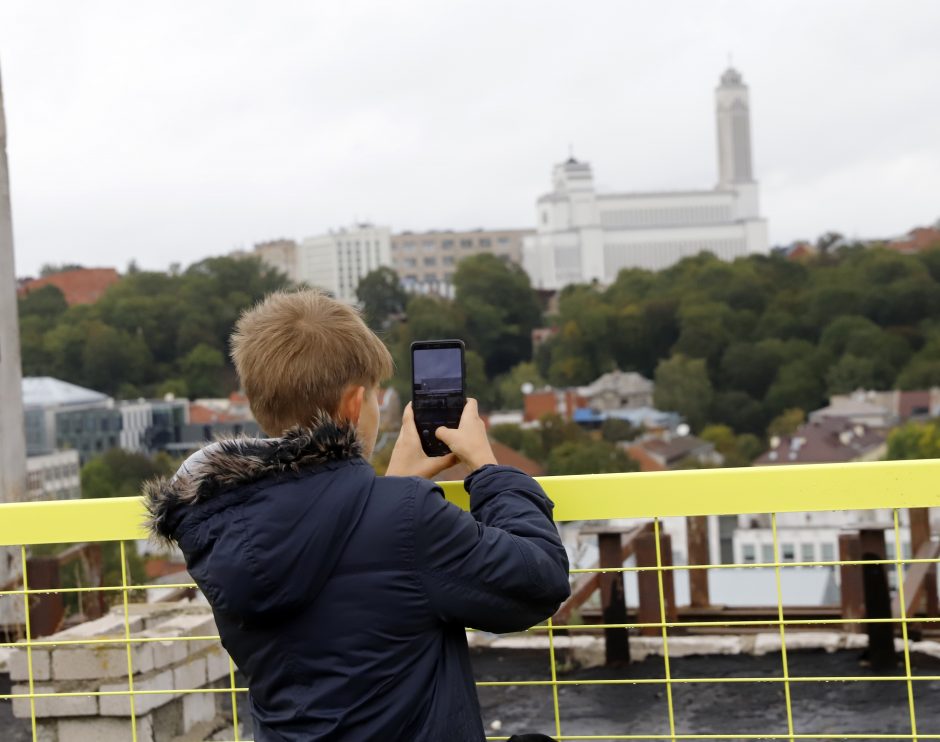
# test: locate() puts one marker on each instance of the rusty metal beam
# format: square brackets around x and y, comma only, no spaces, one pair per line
[916,580]
[585,585]
[697,545]
[850,577]
[920,535]
[649,608]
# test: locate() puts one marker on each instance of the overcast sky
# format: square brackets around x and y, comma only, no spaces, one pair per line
[173,130]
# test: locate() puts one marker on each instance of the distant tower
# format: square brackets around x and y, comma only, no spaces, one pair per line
[12,435]
[734,130]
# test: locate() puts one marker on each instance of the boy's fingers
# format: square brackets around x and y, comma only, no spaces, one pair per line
[407,414]
[446,435]
[469,410]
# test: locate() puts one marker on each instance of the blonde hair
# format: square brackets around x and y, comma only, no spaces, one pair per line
[295,353]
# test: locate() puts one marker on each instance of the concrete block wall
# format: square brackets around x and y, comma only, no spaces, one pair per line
[162,668]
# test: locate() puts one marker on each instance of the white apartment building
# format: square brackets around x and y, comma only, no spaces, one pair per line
[426,261]
[54,476]
[337,260]
[583,236]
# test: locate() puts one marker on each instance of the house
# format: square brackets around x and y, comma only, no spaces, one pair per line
[881,408]
[618,390]
[550,401]
[667,452]
[917,240]
[826,440]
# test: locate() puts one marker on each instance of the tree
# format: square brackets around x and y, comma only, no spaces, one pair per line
[589,457]
[50,269]
[614,430]
[510,384]
[787,422]
[683,386]
[382,297]
[47,303]
[500,310]
[738,410]
[737,450]
[914,441]
[120,473]
[202,371]
[851,373]
[525,440]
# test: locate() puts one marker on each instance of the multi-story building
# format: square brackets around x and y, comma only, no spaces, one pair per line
[425,261]
[54,476]
[337,260]
[585,236]
[59,415]
[280,255]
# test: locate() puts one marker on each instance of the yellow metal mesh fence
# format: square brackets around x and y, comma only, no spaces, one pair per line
[892,486]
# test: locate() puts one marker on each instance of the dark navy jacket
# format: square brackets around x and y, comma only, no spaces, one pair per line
[343,596]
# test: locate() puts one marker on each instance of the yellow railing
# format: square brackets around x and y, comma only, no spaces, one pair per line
[771,490]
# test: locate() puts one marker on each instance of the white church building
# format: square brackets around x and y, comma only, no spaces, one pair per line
[584,236]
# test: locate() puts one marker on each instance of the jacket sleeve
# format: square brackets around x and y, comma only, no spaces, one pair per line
[501,567]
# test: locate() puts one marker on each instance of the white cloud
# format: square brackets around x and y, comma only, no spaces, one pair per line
[170,131]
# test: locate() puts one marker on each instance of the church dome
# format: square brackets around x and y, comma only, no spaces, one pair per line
[732,77]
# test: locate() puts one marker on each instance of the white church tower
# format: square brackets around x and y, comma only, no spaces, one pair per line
[583,235]
[735,167]
[12,435]
[734,130]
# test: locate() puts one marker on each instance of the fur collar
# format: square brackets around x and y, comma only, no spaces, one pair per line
[233,462]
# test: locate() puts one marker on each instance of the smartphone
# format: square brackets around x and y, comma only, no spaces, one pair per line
[438,389]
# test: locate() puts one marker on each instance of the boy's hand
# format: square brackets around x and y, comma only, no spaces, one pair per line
[469,441]
[409,459]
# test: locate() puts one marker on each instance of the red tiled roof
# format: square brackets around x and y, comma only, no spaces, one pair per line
[80,286]
[643,458]
[202,415]
[504,455]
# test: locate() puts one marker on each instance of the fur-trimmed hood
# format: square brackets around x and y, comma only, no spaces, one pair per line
[229,464]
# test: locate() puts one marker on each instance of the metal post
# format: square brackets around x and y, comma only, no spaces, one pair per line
[697,543]
[850,577]
[649,583]
[613,599]
[881,653]
[920,535]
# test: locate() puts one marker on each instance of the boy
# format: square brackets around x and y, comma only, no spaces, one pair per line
[343,596]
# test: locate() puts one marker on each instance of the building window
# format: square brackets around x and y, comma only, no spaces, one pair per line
[466,243]
[448,260]
[410,262]
[449,277]
[430,260]
[447,244]
[748,553]
[429,245]
[828,553]
[545,217]
[767,553]
[807,553]
[787,552]
[408,246]
[502,241]
[485,242]
[430,277]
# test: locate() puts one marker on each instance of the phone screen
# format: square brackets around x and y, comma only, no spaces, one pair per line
[438,371]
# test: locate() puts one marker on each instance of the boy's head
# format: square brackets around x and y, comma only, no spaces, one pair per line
[301,353]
